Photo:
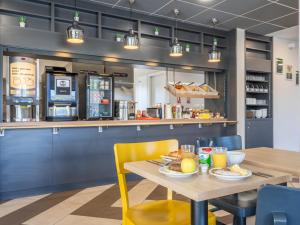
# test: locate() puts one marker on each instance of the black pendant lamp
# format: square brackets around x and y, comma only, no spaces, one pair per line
[75,33]
[176,49]
[214,55]
[131,40]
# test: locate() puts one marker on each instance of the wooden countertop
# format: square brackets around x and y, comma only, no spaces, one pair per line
[281,160]
[111,123]
[204,187]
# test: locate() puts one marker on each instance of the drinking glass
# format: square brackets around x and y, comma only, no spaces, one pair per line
[219,157]
[188,148]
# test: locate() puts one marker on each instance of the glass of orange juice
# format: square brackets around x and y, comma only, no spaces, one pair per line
[219,157]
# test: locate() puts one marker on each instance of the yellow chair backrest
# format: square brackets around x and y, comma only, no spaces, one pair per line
[130,152]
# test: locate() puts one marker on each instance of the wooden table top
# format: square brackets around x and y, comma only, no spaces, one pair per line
[112,123]
[281,160]
[204,187]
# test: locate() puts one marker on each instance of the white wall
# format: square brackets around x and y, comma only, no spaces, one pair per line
[149,87]
[286,97]
[240,70]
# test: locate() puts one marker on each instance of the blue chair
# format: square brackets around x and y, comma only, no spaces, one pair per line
[230,142]
[278,205]
[239,209]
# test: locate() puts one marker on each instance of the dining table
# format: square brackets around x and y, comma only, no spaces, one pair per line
[277,159]
[200,188]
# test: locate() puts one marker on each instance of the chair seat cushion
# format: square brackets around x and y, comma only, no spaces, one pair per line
[232,205]
[163,212]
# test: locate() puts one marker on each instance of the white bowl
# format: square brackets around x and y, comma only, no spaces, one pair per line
[235,157]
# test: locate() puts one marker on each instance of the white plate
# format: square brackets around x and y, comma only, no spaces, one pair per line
[171,173]
[229,177]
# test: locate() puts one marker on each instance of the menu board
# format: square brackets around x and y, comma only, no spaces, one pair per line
[22,78]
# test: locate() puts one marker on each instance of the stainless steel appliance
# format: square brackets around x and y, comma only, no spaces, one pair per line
[99,96]
[61,94]
[22,95]
[155,112]
[124,110]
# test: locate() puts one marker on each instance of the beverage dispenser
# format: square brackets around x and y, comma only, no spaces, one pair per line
[62,94]
[22,96]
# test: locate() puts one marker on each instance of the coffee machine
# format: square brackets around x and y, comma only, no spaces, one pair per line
[22,93]
[61,94]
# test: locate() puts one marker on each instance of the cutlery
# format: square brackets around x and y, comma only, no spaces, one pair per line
[158,163]
[260,174]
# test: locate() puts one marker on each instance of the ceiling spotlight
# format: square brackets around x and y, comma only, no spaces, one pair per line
[131,39]
[214,55]
[176,49]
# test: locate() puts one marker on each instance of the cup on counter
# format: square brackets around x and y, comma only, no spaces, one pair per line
[219,157]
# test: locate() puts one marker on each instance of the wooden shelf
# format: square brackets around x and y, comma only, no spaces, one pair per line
[196,94]
[111,123]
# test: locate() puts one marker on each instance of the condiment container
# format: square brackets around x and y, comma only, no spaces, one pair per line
[204,154]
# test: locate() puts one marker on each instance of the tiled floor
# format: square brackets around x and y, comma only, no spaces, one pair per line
[91,206]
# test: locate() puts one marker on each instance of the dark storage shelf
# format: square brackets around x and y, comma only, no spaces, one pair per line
[155,24]
[189,41]
[256,92]
[116,29]
[257,50]
[262,105]
[80,22]
[210,45]
[258,39]
[24,13]
[259,81]
[156,36]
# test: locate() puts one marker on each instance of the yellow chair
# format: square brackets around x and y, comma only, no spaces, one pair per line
[162,212]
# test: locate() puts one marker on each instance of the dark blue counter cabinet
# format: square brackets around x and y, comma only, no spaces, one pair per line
[41,160]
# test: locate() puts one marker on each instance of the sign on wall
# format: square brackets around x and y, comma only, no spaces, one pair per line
[289,72]
[279,65]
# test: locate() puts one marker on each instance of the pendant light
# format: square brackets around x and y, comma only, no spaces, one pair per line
[75,33]
[176,48]
[214,55]
[131,40]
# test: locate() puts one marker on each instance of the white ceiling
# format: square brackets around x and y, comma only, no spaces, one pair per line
[257,16]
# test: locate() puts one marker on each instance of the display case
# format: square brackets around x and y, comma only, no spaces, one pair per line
[99,96]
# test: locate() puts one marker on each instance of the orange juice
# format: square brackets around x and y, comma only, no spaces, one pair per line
[219,158]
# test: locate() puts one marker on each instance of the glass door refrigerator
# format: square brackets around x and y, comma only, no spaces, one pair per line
[100,96]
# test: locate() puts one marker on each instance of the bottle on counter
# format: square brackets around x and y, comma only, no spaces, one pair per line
[168,111]
[178,114]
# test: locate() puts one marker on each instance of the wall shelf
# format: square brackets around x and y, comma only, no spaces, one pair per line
[257,49]
[156,36]
[116,29]
[256,92]
[64,20]
[259,81]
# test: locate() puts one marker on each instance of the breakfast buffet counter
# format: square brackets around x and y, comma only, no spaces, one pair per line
[112,123]
[59,156]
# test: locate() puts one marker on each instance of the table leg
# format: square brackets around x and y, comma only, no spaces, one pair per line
[199,211]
